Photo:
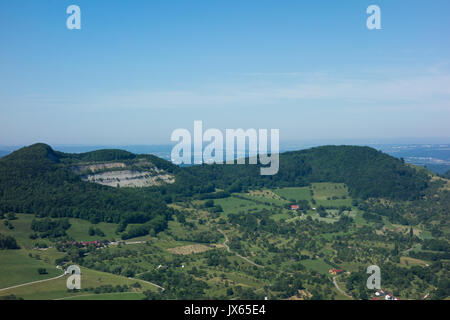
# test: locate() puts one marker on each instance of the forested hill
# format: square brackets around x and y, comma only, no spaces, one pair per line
[39,180]
[366,171]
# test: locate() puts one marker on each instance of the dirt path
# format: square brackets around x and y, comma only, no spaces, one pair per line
[33,282]
[153,284]
[94,294]
[58,277]
[237,254]
[116,243]
[339,289]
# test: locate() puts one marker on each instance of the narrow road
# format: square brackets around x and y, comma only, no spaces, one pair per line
[237,254]
[33,282]
[339,289]
[115,243]
[93,295]
[58,277]
[153,284]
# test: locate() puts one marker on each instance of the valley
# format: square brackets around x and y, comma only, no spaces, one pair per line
[251,239]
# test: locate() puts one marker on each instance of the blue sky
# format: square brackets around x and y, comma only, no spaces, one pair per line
[137,70]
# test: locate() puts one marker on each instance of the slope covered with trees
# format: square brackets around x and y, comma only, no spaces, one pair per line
[366,171]
[229,243]
[36,180]
[8,242]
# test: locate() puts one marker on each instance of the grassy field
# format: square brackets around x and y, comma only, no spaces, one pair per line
[79,230]
[182,247]
[17,267]
[22,230]
[109,296]
[295,194]
[425,234]
[334,203]
[235,205]
[21,266]
[408,261]
[330,194]
[317,265]
[323,190]
[326,194]
[256,202]
[56,289]
[266,196]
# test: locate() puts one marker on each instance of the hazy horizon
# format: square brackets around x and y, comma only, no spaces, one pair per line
[373,141]
[138,70]
[435,155]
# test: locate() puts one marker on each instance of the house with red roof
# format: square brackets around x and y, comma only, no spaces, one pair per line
[335,271]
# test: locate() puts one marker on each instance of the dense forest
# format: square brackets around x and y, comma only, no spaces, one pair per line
[207,238]
[366,171]
[8,242]
[35,180]
[39,180]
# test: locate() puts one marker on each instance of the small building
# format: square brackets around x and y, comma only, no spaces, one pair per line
[390,297]
[295,207]
[380,293]
[335,271]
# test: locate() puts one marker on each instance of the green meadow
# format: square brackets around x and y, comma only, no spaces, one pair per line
[17,267]
[21,230]
[296,194]
[330,194]
[57,289]
[108,296]
[235,205]
[79,230]
[323,190]
[317,265]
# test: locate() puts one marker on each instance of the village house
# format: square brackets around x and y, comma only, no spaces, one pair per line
[335,271]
